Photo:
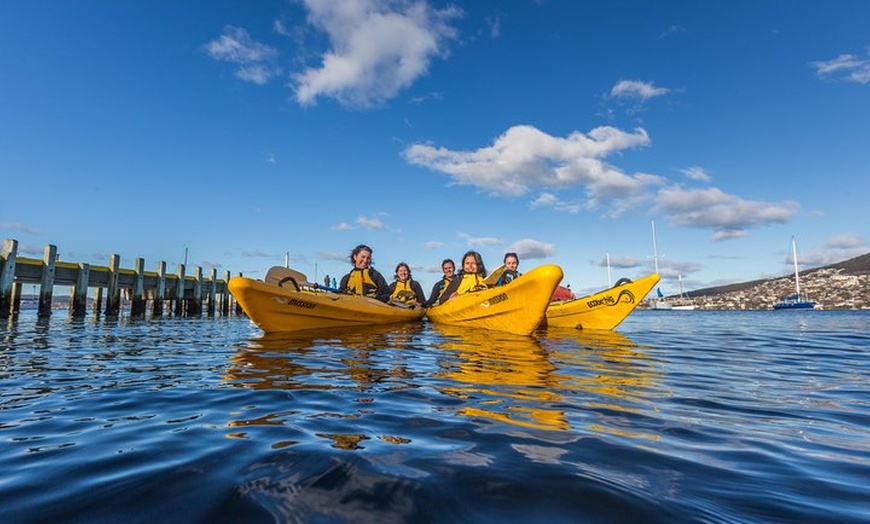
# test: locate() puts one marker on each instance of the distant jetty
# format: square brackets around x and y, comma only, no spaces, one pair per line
[179,294]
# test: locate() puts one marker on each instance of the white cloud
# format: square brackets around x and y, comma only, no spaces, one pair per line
[696,173]
[371,223]
[846,241]
[481,241]
[434,245]
[531,248]
[378,48]
[637,89]
[727,215]
[848,68]
[621,262]
[552,201]
[19,227]
[254,61]
[525,157]
[344,226]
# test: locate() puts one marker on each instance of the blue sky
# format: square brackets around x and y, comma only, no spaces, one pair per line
[557,129]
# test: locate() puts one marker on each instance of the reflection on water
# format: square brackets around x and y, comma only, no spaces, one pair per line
[177,420]
[554,380]
[503,377]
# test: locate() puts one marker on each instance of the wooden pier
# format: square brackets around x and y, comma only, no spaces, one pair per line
[183,294]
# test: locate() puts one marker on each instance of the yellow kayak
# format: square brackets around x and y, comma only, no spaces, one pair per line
[517,307]
[286,304]
[602,310]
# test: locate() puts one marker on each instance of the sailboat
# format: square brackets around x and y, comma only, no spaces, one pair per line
[683,303]
[795,301]
[659,302]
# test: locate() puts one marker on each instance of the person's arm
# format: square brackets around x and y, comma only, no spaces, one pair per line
[342,287]
[384,292]
[418,290]
[433,296]
[454,285]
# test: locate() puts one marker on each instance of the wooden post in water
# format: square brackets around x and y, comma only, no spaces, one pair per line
[113,292]
[212,293]
[17,291]
[78,304]
[137,304]
[160,292]
[225,296]
[46,283]
[98,302]
[179,292]
[196,301]
[7,275]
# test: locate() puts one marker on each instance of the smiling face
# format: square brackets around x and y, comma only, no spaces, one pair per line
[469,264]
[402,273]
[363,259]
[448,269]
[511,263]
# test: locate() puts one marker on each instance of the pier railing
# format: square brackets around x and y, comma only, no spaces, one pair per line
[183,294]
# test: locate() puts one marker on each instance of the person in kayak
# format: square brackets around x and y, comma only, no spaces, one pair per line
[448,268]
[405,290]
[511,263]
[471,278]
[363,279]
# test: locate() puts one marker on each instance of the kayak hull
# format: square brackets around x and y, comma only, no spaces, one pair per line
[517,307]
[603,310]
[274,308]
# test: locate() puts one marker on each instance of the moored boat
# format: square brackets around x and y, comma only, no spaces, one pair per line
[290,303]
[518,307]
[603,310]
[796,300]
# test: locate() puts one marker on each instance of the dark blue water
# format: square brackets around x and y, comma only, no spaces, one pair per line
[679,417]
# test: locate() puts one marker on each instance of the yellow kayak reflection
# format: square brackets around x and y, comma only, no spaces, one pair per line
[503,377]
[529,381]
[292,360]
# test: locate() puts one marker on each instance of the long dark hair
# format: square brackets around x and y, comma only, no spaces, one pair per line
[481,269]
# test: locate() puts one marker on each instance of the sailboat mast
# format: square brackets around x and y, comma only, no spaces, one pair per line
[655,251]
[797,282]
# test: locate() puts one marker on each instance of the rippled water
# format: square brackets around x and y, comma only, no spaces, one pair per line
[678,417]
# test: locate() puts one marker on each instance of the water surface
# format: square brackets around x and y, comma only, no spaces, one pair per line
[677,417]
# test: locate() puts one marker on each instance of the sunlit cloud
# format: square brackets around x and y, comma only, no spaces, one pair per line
[255,62]
[344,226]
[377,48]
[846,68]
[531,248]
[637,89]
[697,173]
[371,223]
[729,216]
[525,158]
[481,241]
[549,200]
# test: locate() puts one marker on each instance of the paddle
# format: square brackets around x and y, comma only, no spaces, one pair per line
[493,277]
[277,275]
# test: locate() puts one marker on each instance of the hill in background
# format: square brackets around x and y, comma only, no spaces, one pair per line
[843,285]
